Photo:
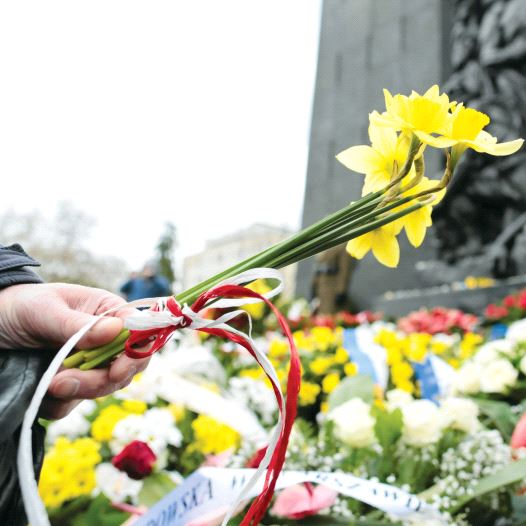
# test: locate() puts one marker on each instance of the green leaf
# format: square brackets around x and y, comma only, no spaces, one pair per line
[359,386]
[154,488]
[388,427]
[101,513]
[500,415]
[510,474]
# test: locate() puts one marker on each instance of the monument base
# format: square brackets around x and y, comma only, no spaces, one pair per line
[455,295]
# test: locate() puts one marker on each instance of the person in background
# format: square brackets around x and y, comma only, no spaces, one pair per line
[149,284]
[36,319]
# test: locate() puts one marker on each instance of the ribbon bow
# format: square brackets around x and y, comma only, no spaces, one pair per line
[157,325]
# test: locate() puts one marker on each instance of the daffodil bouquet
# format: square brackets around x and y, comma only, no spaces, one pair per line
[396,194]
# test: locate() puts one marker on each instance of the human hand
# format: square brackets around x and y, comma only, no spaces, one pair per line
[47,315]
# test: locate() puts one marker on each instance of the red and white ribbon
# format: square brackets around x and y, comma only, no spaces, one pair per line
[156,327]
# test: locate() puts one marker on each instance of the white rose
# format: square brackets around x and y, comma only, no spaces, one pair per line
[517,331]
[397,398]
[467,379]
[498,376]
[423,423]
[353,423]
[493,350]
[522,364]
[460,413]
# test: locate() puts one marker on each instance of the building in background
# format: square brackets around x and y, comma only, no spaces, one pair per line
[225,251]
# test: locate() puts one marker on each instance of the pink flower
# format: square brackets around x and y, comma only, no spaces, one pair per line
[518,439]
[303,500]
[218,461]
[495,312]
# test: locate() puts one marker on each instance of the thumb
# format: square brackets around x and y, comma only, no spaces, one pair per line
[69,322]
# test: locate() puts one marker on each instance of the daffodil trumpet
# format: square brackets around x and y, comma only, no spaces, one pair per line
[396,194]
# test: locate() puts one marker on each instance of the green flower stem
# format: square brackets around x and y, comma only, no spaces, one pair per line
[104,357]
[75,359]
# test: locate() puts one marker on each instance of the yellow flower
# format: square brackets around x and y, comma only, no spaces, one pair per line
[466,130]
[324,407]
[416,346]
[438,347]
[330,382]
[178,411]
[255,374]
[401,372]
[406,385]
[381,241]
[278,348]
[323,337]
[321,364]
[350,369]
[454,363]
[341,356]
[308,393]
[68,470]
[212,437]
[303,341]
[102,427]
[137,407]
[422,115]
[416,223]
[378,161]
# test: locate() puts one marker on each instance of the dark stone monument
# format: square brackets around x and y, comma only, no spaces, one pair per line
[479,47]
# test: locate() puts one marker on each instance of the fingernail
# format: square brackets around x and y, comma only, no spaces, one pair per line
[67,387]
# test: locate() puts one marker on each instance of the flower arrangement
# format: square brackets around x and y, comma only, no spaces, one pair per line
[119,455]
[145,442]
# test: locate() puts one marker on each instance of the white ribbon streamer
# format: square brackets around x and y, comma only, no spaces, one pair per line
[210,490]
[35,509]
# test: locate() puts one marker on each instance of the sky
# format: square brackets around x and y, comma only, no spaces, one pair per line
[191,111]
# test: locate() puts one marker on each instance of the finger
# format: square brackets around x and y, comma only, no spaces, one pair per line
[70,384]
[53,409]
[68,322]
[124,367]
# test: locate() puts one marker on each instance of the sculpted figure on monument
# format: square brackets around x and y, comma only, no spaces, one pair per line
[481,219]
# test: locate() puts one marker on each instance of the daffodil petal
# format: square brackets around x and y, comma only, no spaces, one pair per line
[359,246]
[362,159]
[383,140]
[385,248]
[436,142]
[416,224]
[498,149]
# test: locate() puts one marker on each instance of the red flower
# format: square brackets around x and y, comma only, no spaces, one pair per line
[509,301]
[136,460]
[495,312]
[521,300]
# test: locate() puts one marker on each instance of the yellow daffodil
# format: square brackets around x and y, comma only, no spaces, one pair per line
[381,241]
[423,115]
[416,223]
[466,129]
[379,161]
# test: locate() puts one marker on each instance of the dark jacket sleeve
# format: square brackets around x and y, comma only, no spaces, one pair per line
[20,371]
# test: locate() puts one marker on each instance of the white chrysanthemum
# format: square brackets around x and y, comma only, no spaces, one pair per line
[498,376]
[353,423]
[116,484]
[255,395]
[156,427]
[460,413]
[423,423]
[71,426]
